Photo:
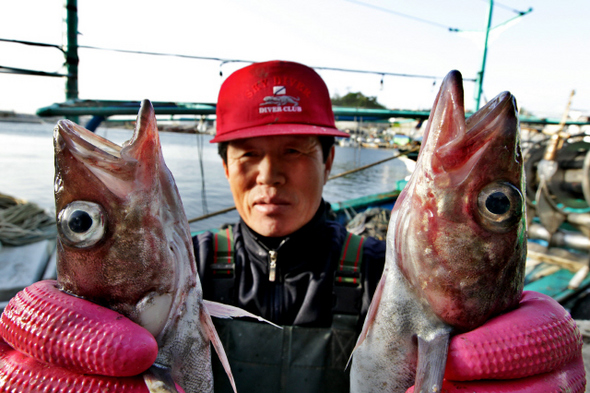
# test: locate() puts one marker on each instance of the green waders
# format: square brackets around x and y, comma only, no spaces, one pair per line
[265,359]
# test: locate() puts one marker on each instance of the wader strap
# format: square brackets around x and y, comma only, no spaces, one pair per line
[223,254]
[222,267]
[347,279]
[348,271]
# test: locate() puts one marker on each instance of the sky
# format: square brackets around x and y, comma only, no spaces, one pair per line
[540,59]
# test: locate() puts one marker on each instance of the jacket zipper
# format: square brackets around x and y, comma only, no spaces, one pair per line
[273,256]
[272,264]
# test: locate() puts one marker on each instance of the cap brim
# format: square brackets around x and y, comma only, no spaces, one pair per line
[279,129]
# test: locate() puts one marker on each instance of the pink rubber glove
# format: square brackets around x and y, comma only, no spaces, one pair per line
[535,348]
[54,342]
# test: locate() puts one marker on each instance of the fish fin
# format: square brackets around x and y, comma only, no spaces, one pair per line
[210,331]
[371,315]
[158,379]
[220,310]
[432,360]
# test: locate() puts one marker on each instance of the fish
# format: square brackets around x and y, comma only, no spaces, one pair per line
[456,245]
[124,243]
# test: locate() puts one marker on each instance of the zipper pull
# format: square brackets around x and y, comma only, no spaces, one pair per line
[272,274]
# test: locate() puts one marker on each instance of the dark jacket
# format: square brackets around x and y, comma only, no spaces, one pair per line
[310,353]
[302,293]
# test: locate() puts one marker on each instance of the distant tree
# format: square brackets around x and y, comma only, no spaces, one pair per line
[357,100]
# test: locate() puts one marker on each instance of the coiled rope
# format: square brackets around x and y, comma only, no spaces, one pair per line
[23,222]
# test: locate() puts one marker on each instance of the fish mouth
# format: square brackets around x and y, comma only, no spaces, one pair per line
[112,164]
[86,144]
[457,145]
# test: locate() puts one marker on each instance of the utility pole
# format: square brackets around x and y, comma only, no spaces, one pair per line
[71,49]
[479,81]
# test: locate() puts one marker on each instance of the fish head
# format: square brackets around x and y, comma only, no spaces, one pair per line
[459,233]
[123,237]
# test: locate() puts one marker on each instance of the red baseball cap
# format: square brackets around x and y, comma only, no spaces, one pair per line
[274,98]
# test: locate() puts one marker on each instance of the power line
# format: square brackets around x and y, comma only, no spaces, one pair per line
[430,22]
[23,71]
[385,73]
[225,61]
[164,54]
[401,14]
[221,59]
[496,4]
[30,43]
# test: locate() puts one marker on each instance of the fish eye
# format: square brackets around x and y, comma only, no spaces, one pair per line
[500,206]
[81,224]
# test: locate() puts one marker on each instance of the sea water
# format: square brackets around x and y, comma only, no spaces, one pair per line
[26,170]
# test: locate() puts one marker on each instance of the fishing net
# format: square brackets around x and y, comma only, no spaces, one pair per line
[23,222]
[372,222]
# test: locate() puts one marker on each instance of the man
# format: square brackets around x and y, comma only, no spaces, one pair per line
[275,130]
[285,260]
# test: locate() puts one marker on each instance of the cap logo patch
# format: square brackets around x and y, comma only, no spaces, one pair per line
[279,102]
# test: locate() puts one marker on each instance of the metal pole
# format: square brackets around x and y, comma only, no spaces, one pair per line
[71,51]
[479,82]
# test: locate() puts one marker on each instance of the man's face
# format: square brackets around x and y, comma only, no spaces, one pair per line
[277,181]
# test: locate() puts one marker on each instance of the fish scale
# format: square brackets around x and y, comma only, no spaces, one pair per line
[125,252]
[123,243]
[456,251]
[454,258]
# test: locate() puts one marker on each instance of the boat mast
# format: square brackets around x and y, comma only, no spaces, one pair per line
[479,79]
